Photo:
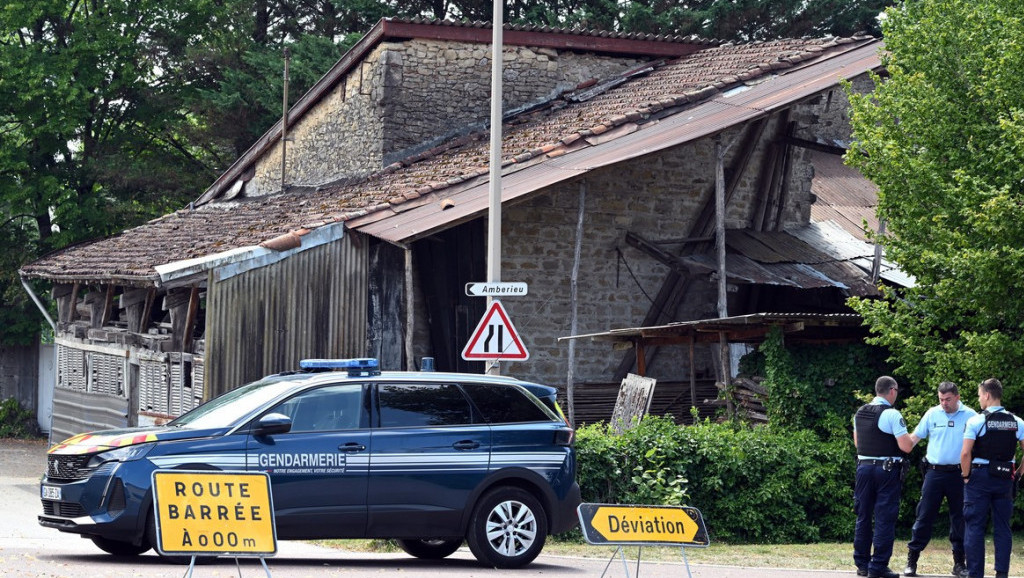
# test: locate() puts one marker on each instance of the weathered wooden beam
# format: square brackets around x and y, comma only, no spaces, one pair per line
[176,302]
[67,305]
[675,285]
[190,320]
[108,306]
[814,146]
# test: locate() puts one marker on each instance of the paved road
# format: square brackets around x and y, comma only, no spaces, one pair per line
[29,550]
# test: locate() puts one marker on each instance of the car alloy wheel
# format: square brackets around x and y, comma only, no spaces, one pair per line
[508,528]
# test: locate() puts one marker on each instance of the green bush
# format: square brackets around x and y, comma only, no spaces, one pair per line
[760,485]
[16,422]
[814,386]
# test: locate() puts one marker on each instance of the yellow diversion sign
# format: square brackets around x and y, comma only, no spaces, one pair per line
[615,524]
[214,513]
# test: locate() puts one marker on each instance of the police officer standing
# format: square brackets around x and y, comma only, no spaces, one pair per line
[880,434]
[987,463]
[943,426]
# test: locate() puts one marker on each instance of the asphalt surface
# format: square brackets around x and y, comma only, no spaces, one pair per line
[29,550]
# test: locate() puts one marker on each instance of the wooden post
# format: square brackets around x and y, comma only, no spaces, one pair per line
[693,379]
[410,312]
[573,281]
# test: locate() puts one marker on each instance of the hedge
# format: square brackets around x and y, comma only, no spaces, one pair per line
[758,485]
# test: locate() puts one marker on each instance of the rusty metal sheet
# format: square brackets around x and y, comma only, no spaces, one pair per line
[851,219]
[773,247]
[835,183]
[689,329]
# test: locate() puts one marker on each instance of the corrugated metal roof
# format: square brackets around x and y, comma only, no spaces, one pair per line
[736,326]
[843,246]
[843,195]
[811,257]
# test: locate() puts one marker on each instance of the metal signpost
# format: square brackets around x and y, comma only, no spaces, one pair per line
[213,513]
[620,525]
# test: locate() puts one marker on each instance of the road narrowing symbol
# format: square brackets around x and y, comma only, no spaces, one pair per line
[214,513]
[613,524]
[495,338]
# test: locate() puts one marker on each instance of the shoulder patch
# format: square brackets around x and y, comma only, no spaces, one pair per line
[903,422]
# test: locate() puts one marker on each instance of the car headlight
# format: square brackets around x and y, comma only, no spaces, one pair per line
[125,454]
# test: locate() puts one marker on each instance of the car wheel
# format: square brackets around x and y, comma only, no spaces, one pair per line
[434,549]
[118,547]
[508,528]
[151,537]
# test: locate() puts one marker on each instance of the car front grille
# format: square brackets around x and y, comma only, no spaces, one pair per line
[62,509]
[65,468]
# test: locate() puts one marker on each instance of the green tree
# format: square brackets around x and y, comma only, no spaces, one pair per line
[115,111]
[943,138]
[741,20]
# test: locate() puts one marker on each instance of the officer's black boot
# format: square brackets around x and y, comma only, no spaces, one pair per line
[911,569]
[959,567]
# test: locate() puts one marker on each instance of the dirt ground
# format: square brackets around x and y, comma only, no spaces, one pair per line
[22,458]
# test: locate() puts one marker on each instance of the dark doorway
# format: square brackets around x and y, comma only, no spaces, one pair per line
[445,262]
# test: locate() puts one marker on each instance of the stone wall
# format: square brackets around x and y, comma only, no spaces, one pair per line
[658,197]
[407,96]
[832,110]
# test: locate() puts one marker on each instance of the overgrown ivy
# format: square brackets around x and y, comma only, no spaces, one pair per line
[815,387]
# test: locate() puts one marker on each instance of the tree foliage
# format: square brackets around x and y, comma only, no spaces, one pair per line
[742,20]
[943,138]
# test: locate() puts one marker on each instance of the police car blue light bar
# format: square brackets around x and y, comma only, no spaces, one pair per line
[359,365]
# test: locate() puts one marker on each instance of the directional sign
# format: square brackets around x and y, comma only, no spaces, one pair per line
[213,513]
[615,524]
[496,289]
[495,338]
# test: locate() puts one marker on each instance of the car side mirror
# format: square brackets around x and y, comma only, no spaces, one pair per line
[272,423]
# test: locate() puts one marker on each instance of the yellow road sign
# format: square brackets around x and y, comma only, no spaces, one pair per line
[616,524]
[214,513]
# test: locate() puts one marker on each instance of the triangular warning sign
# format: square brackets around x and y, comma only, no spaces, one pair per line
[495,338]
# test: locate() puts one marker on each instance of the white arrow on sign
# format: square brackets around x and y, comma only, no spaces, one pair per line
[495,338]
[496,289]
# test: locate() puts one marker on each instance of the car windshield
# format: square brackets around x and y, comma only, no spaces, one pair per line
[232,407]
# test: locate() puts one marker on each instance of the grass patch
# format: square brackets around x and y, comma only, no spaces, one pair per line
[935,560]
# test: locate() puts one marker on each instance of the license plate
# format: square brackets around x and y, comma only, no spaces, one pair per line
[51,492]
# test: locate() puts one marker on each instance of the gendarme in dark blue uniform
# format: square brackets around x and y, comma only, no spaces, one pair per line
[943,426]
[880,434]
[987,461]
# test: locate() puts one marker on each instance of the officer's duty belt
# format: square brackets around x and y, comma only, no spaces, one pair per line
[944,467]
[880,461]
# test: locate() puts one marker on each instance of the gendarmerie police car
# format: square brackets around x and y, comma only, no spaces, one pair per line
[430,459]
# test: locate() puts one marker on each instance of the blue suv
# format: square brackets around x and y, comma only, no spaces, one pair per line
[429,459]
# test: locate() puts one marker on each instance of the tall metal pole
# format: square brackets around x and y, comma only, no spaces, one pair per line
[494,219]
[284,122]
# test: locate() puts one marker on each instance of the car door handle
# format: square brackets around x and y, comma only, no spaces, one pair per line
[466,445]
[352,447]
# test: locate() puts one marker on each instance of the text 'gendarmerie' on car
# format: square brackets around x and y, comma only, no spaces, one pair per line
[430,459]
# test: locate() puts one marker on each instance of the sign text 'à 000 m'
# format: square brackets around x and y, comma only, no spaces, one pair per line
[214,513]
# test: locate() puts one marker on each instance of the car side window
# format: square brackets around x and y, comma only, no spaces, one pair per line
[505,404]
[335,407]
[422,404]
